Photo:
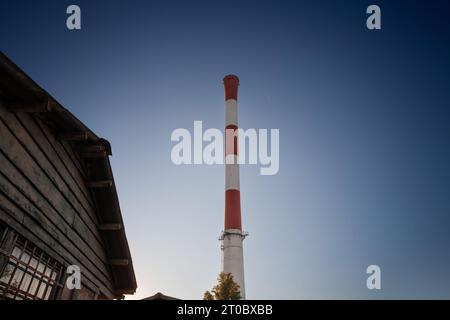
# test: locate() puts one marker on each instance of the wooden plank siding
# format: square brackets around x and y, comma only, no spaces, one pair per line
[48,240]
[44,196]
[73,167]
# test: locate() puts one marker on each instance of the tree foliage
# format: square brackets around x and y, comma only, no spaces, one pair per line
[208,296]
[226,289]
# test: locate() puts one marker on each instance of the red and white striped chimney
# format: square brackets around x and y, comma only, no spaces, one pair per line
[232,236]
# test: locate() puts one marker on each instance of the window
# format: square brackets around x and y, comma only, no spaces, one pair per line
[27,272]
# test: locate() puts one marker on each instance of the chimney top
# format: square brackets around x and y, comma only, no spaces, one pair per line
[231,77]
[231,83]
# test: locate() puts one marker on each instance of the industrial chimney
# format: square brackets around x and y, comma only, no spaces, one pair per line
[232,236]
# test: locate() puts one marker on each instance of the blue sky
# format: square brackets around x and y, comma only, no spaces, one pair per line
[364,136]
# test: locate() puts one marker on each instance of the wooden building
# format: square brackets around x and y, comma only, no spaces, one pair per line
[58,201]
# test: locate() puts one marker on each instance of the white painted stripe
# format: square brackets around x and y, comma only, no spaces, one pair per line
[232,177]
[231,143]
[231,112]
[231,159]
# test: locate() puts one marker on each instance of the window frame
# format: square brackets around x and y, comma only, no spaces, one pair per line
[38,269]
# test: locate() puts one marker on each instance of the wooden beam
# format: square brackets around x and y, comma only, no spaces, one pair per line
[99,154]
[35,107]
[99,184]
[121,292]
[74,136]
[118,262]
[91,148]
[109,226]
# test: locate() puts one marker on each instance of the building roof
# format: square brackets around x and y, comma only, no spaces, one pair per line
[160,296]
[20,93]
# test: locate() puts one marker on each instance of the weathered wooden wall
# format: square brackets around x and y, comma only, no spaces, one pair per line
[43,196]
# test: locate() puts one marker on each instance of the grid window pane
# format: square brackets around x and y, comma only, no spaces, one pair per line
[29,273]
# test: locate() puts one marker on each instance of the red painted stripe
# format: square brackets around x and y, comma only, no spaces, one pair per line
[231,83]
[233,209]
[231,140]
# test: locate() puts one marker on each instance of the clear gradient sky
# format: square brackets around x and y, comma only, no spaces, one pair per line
[364,130]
